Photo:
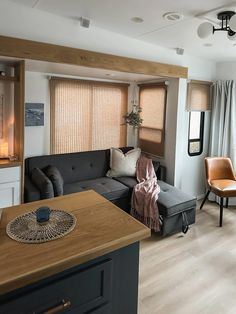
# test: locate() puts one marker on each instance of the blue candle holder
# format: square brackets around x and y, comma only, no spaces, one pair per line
[42,214]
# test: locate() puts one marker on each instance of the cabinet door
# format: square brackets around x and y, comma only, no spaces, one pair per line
[9,194]
[9,186]
[85,291]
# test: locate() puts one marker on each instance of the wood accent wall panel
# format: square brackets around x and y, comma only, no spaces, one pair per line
[19,98]
[27,49]
[19,117]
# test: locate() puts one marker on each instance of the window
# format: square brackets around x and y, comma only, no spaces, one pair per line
[152,131]
[196,131]
[198,102]
[87,115]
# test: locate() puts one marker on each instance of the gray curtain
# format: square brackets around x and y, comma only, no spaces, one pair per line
[223,120]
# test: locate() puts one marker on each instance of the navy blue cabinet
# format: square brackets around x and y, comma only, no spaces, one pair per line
[105,285]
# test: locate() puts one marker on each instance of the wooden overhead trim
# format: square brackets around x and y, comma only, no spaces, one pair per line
[27,49]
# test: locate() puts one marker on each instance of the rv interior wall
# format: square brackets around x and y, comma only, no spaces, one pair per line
[37,138]
[226,71]
[189,170]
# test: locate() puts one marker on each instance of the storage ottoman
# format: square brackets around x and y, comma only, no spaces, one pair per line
[177,209]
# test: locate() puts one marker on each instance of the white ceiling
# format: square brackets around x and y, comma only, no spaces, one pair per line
[115,15]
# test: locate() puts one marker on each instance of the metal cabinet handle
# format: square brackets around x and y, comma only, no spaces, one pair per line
[64,305]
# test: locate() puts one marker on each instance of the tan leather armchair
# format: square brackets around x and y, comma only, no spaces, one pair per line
[221,180]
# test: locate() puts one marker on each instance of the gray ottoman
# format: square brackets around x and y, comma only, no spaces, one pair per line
[177,209]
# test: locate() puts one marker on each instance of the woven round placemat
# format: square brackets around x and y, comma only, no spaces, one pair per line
[26,229]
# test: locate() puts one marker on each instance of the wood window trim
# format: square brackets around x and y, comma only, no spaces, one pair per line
[28,49]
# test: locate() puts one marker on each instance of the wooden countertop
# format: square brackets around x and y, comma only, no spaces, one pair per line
[101,228]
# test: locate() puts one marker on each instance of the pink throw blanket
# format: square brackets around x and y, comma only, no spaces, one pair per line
[145,195]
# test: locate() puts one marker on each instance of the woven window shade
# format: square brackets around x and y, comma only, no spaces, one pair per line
[151,133]
[86,116]
[198,96]
[109,108]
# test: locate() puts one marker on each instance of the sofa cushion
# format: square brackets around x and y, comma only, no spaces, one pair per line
[130,182]
[123,164]
[107,187]
[43,183]
[57,181]
[172,200]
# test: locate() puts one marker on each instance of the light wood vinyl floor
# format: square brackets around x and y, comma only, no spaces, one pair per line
[192,273]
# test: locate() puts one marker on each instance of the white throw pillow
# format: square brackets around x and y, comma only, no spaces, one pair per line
[123,164]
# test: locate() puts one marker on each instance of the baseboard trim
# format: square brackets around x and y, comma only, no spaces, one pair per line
[201,196]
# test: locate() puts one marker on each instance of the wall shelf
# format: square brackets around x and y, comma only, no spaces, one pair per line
[8,78]
[6,163]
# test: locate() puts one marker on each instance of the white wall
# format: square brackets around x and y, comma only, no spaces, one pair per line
[170,129]
[189,170]
[226,71]
[37,138]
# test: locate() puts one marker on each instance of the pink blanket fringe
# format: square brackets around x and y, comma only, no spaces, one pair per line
[145,195]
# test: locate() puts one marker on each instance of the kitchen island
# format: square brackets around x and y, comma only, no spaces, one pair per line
[94,269]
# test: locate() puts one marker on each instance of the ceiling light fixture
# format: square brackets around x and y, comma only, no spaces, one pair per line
[228,24]
[173,16]
[137,19]
[207,45]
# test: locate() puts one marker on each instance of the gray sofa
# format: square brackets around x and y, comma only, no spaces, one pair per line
[87,170]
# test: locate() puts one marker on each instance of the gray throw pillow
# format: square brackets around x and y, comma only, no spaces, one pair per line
[43,183]
[57,181]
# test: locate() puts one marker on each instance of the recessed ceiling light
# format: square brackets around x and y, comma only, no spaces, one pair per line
[207,45]
[173,16]
[137,19]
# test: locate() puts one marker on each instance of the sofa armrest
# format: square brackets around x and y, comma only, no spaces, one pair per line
[161,173]
[31,193]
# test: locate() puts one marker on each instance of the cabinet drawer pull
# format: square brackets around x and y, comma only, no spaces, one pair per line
[64,305]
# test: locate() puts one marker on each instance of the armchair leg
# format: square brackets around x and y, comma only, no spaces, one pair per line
[227,202]
[221,210]
[205,198]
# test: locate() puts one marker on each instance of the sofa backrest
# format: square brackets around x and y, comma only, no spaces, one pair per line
[74,166]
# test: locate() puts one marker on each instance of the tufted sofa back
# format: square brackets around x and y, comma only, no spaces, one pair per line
[74,166]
